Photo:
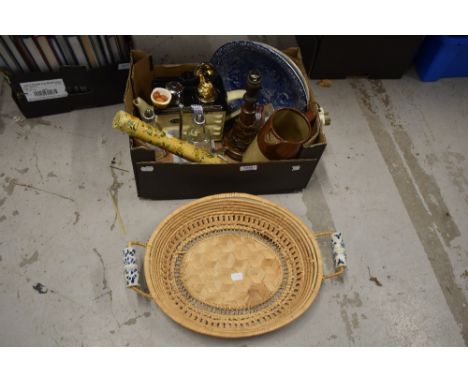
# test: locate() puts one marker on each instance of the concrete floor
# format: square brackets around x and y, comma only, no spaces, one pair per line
[394,179]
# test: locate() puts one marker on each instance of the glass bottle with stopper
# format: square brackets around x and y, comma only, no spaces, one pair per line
[248,123]
[198,134]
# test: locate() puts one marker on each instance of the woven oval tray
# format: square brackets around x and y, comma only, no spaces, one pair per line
[232,265]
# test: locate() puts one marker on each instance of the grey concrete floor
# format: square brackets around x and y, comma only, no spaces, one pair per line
[394,180]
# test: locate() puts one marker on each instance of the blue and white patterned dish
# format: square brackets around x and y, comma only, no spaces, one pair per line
[304,80]
[282,85]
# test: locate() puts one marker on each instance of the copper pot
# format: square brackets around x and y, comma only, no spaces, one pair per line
[282,136]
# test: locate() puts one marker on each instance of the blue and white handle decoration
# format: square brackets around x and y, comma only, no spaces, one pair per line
[339,251]
[131,267]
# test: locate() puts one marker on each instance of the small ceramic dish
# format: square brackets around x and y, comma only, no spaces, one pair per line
[161,97]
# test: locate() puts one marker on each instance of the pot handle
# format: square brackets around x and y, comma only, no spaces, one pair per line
[339,252]
[132,273]
[311,115]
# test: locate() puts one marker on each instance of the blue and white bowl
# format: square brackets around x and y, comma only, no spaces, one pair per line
[282,83]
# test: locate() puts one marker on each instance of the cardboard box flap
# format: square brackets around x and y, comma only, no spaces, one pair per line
[139,80]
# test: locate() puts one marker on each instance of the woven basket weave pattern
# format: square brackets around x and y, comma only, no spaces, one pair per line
[247,216]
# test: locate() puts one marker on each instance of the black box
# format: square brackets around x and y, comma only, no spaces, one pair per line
[370,56]
[159,180]
[85,87]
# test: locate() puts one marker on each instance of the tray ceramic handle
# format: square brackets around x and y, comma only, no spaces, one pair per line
[339,253]
[132,274]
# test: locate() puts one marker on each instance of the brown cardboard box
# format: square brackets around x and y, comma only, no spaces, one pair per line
[159,180]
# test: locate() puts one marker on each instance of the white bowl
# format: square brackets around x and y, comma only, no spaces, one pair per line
[164,92]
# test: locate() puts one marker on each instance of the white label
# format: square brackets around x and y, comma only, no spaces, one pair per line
[252,167]
[147,168]
[296,167]
[124,66]
[237,276]
[41,90]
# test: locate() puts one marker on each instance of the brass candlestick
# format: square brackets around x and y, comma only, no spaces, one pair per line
[247,124]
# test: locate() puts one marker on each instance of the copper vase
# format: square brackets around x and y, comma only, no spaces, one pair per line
[282,136]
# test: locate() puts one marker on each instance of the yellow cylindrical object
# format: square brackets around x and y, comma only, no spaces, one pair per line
[137,128]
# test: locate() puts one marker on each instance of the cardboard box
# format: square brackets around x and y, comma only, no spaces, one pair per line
[85,88]
[159,180]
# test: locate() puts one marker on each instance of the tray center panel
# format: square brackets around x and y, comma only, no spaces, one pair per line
[231,271]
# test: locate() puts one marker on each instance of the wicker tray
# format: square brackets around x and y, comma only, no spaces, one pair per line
[232,265]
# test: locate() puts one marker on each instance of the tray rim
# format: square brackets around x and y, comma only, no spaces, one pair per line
[167,308]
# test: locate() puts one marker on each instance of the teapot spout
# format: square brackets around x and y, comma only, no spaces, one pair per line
[142,106]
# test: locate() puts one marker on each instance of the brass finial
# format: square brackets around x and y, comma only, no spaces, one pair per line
[206,73]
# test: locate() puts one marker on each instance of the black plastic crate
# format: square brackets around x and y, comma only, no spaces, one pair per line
[371,56]
[86,88]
